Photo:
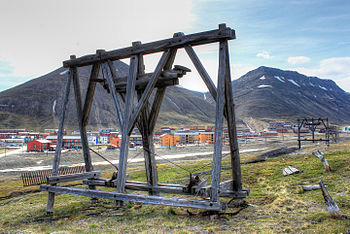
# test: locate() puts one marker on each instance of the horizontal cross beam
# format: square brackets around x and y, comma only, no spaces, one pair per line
[149,199]
[73,177]
[223,33]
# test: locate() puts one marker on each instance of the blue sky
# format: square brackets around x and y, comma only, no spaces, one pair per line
[311,37]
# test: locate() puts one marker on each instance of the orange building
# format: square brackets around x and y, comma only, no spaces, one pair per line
[206,137]
[168,140]
[116,142]
[184,138]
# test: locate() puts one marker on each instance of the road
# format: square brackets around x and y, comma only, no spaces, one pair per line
[133,160]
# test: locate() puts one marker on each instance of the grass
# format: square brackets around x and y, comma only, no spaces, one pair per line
[277,203]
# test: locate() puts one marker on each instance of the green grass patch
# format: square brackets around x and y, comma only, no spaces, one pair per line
[277,202]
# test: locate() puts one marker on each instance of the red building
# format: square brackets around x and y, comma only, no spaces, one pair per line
[38,145]
[69,142]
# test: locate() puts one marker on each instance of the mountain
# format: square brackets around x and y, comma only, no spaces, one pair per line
[270,93]
[37,104]
[262,94]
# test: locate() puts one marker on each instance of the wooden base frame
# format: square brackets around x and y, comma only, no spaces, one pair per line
[133,107]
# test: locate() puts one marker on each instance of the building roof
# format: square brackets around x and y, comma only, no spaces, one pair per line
[44,141]
[64,138]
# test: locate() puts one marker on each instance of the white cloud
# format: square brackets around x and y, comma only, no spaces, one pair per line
[264,54]
[337,69]
[38,35]
[298,60]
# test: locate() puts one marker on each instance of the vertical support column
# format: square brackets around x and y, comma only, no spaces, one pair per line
[90,93]
[147,134]
[231,124]
[56,162]
[124,149]
[84,141]
[327,132]
[220,103]
[299,127]
[313,129]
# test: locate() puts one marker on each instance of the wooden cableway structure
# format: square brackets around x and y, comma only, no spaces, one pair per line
[133,106]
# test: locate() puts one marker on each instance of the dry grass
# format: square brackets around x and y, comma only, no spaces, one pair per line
[277,203]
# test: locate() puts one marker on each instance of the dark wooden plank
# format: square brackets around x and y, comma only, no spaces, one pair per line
[231,123]
[157,46]
[156,200]
[90,93]
[147,136]
[201,70]
[83,136]
[160,92]
[148,91]
[117,102]
[129,99]
[73,177]
[220,103]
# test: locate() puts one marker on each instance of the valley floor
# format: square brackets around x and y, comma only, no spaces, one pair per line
[276,203]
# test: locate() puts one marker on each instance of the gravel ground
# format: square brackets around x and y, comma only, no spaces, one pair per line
[44,160]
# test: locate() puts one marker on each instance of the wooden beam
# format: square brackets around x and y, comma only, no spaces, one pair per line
[117,102]
[158,99]
[220,103]
[157,46]
[231,123]
[90,93]
[83,136]
[57,157]
[73,177]
[129,99]
[202,72]
[156,200]
[148,91]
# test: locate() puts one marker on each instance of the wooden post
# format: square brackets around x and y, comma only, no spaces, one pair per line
[82,127]
[231,124]
[148,90]
[201,70]
[83,136]
[90,93]
[319,155]
[125,133]
[330,203]
[220,103]
[147,136]
[299,140]
[56,162]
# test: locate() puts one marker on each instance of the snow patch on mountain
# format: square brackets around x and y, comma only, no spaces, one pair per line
[265,86]
[293,82]
[280,78]
[324,88]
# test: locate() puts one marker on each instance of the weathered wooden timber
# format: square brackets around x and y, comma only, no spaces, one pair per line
[156,200]
[319,155]
[134,107]
[224,33]
[312,187]
[203,192]
[330,203]
[73,177]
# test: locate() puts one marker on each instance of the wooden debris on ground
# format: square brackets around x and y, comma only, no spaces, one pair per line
[312,187]
[319,154]
[290,170]
[330,203]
